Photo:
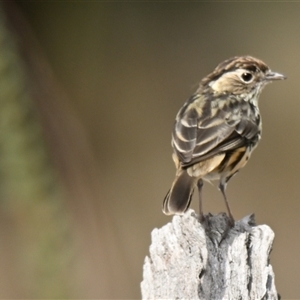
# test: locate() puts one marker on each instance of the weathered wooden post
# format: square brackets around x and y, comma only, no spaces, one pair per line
[191,261]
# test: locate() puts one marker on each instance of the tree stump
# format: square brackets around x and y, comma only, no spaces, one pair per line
[189,260]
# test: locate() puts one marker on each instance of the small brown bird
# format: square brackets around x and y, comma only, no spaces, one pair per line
[217,129]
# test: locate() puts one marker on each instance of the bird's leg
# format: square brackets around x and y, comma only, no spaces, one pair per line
[199,186]
[222,187]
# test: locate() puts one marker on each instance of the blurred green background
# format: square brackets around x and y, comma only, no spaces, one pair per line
[89,94]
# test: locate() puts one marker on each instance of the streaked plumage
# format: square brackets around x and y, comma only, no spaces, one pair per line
[217,129]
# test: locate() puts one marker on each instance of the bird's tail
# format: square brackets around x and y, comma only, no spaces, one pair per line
[179,197]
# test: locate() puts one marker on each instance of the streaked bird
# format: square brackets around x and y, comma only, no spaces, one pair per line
[217,129]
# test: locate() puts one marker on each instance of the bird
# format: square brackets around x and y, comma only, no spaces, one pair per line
[216,130]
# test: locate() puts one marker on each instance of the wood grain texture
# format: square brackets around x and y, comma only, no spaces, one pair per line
[193,261]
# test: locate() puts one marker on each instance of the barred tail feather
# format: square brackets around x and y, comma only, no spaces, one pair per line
[178,199]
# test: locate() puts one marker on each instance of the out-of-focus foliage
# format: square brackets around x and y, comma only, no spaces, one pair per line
[35,237]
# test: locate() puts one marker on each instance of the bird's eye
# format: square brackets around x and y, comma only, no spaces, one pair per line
[247,77]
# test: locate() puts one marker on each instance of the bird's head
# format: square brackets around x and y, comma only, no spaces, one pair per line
[241,76]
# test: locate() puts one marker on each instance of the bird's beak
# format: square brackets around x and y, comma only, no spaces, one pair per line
[270,76]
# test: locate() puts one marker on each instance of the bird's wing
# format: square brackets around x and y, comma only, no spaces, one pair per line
[206,127]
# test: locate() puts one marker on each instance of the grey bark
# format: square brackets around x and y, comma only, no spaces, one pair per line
[189,260]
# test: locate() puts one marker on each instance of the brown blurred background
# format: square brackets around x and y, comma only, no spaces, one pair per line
[102,83]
